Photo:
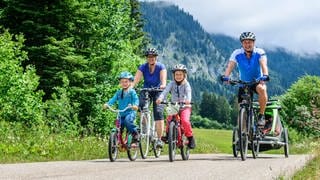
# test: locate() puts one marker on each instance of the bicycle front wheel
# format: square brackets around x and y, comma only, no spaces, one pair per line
[184,149]
[144,135]
[172,141]
[113,146]
[132,148]
[243,133]
[153,138]
[235,142]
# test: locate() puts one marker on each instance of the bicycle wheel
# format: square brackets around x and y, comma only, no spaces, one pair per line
[132,148]
[144,135]
[113,146]
[153,138]
[184,149]
[235,142]
[243,133]
[172,140]
[254,148]
[286,141]
[254,139]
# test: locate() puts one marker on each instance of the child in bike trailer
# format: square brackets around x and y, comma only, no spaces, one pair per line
[124,97]
[180,91]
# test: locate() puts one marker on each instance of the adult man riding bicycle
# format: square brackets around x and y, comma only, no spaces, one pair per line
[252,65]
[155,76]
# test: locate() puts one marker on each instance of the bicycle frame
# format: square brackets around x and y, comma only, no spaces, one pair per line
[119,142]
[176,137]
[246,120]
[147,126]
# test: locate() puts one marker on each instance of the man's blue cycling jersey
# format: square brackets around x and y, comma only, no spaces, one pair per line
[249,68]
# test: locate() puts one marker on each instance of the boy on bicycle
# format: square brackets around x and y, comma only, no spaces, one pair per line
[180,91]
[126,96]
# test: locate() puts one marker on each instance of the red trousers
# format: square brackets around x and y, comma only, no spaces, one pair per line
[185,121]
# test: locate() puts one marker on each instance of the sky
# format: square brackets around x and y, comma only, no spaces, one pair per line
[292,24]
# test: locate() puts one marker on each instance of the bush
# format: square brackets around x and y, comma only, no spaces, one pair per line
[19,99]
[301,106]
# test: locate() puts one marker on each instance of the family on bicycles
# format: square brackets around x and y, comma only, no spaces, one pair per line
[154,75]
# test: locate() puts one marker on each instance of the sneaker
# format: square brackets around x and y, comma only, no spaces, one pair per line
[159,143]
[261,120]
[164,139]
[191,143]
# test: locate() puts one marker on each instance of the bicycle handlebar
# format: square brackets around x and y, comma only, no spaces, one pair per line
[234,82]
[118,110]
[153,89]
[181,104]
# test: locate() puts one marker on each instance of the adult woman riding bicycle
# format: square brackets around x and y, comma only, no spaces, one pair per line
[155,75]
[252,65]
[180,91]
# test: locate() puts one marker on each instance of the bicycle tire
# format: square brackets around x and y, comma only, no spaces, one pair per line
[172,141]
[184,149]
[243,135]
[235,142]
[286,141]
[254,148]
[156,150]
[132,148]
[144,135]
[113,146]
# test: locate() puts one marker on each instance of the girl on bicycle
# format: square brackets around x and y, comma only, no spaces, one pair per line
[126,96]
[180,91]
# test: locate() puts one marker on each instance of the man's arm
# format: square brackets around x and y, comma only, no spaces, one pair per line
[264,67]
[229,69]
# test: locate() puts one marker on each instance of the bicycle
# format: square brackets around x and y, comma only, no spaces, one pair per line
[247,127]
[176,137]
[148,134]
[120,141]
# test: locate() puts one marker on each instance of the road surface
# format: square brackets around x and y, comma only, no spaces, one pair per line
[199,166]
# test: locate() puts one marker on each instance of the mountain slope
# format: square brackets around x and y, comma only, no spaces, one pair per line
[181,39]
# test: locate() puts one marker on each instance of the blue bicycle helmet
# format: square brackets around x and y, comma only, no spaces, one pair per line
[125,75]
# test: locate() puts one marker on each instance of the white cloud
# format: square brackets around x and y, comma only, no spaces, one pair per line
[293,24]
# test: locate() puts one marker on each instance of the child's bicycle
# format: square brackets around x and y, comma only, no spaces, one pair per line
[176,137]
[148,134]
[120,141]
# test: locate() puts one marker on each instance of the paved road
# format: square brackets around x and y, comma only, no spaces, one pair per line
[199,166]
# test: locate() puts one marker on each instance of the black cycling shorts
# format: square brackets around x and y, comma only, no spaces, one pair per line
[157,109]
[241,92]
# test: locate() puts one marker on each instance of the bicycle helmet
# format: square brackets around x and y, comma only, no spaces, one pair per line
[247,35]
[179,67]
[151,51]
[125,75]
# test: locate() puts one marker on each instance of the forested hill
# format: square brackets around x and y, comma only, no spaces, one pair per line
[180,38]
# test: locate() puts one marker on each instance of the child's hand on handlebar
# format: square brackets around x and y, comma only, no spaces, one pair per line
[134,108]
[104,106]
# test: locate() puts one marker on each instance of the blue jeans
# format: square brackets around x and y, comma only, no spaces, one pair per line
[128,121]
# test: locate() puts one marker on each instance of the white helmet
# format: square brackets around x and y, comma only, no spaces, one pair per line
[179,67]
[247,35]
